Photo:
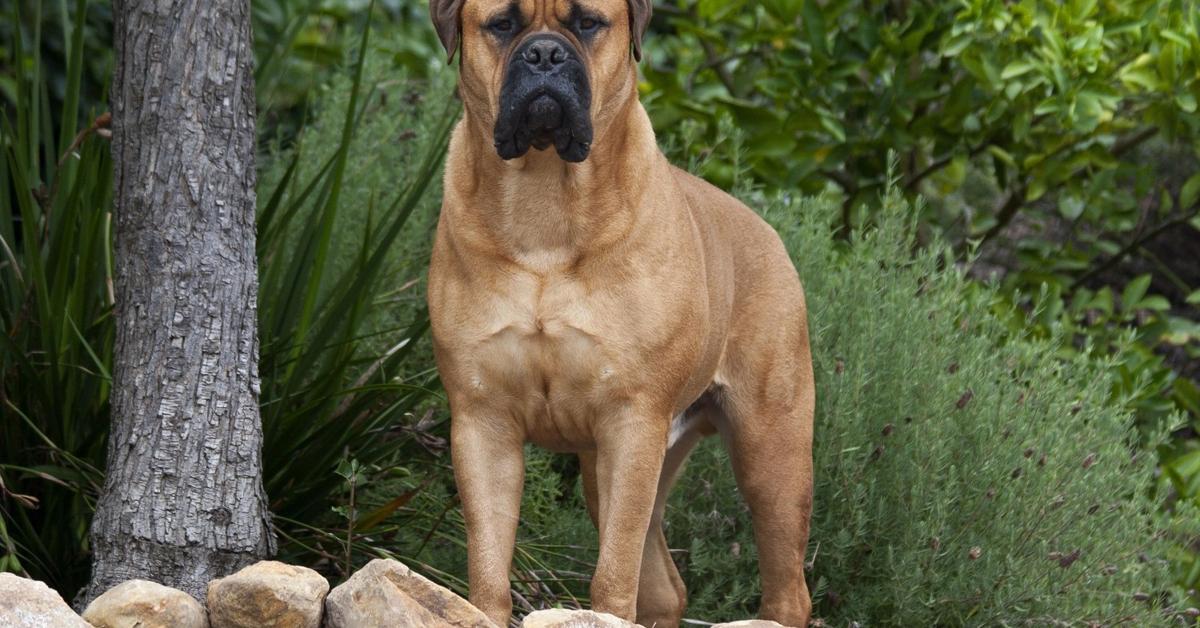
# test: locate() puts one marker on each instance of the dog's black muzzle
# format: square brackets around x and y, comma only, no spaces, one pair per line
[545,100]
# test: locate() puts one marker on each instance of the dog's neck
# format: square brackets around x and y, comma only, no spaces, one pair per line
[541,211]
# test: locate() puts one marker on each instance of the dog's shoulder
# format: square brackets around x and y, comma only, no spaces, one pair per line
[710,203]
[730,227]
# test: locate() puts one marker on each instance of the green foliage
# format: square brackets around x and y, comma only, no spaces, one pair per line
[55,320]
[966,475]
[299,43]
[50,41]
[1043,93]
[1134,327]
[298,46]
[1143,329]
[341,312]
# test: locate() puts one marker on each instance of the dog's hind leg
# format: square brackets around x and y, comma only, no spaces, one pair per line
[768,431]
[591,491]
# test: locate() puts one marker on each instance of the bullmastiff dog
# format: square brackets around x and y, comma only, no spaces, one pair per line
[588,297]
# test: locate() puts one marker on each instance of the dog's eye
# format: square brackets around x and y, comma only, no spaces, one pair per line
[588,24]
[501,26]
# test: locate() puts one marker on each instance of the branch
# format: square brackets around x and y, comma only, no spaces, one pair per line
[1016,198]
[714,60]
[1129,142]
[1006,212]
[844,180]
[916,179]
[711,58]
[718,65]
[850,189]
[1135,244]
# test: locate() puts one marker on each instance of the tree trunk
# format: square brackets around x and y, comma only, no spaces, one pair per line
[183,501]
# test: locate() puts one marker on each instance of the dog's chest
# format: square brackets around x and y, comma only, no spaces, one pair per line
[551,353]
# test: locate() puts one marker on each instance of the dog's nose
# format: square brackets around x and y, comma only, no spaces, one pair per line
[543,53]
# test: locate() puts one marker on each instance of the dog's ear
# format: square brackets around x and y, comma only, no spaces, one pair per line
[639,19]
[447,20]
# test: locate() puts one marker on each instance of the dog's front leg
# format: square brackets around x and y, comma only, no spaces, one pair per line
[489,468]
[629,458]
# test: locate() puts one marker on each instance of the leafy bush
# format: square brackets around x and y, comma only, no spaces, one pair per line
[965,475]
[300,44]
[1042,92]
[997,110]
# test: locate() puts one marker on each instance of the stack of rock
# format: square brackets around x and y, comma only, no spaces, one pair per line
[269,594]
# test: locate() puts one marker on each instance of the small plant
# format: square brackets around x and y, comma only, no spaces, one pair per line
[350,471]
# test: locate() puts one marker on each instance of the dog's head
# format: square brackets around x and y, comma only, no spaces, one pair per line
[540,70]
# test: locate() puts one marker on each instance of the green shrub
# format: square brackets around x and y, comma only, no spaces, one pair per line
[965,476]
[400,125]
[1048,95]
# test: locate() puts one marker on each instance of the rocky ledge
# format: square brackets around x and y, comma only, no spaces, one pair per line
[269,594]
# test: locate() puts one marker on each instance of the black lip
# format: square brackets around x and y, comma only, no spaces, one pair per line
[538,110]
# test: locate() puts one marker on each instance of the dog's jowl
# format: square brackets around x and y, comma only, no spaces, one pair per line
[589,297]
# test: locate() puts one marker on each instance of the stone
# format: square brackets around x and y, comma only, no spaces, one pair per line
[566,618]
[26,603]
[750,623]
[268,594]
[386,593]
[145,604]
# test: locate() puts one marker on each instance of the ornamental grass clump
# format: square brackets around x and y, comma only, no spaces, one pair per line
[964,475]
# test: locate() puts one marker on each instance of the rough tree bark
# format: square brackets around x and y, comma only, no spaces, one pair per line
[183,501]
